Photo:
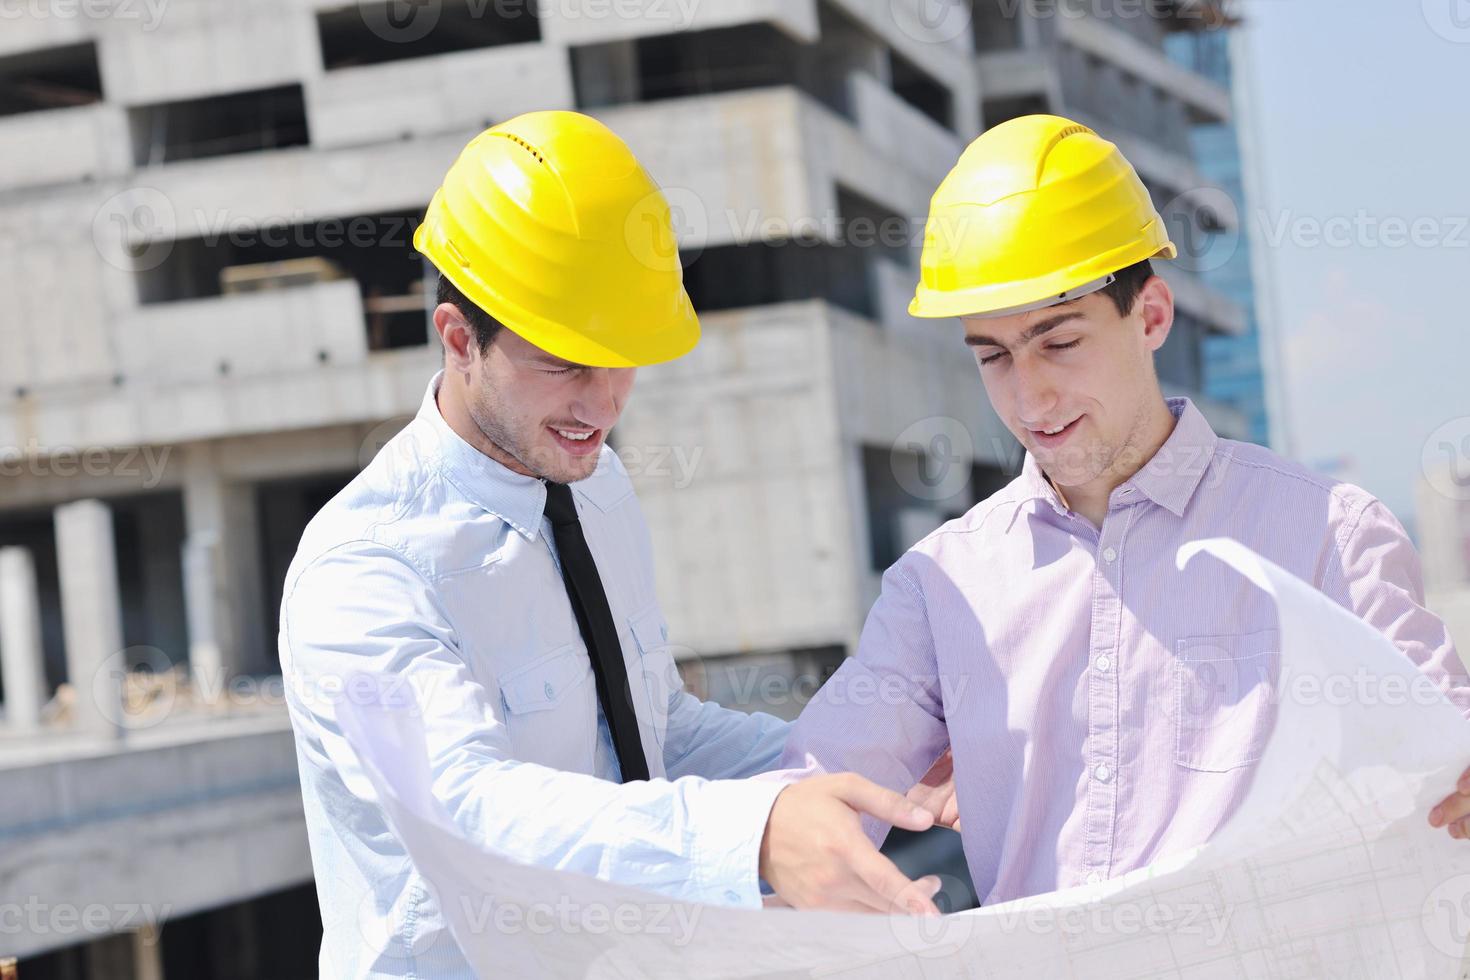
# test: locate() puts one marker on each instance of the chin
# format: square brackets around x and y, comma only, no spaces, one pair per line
[1063,467]
[572,470]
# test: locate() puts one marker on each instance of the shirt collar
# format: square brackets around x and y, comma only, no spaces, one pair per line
[1036,486]
[1175,472]
[1169,479]
[517,499]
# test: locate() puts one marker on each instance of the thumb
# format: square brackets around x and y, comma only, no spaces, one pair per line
[868,797]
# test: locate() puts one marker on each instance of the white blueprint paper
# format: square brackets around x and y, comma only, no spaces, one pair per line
[1328,869]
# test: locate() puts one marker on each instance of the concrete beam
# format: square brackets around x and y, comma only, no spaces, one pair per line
[894,127]
[200,48]
[578,22]
[387,384]
[941,45]
[428,96]
[211,819]
[1207,100]
[268,333]
[63,146]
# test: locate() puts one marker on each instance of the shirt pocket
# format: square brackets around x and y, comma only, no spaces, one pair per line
[550,709]
[545,682]
[1225,698]
[656,665]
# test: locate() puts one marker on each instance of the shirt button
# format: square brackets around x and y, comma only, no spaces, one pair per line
[1103,774]
[1104,662]
[1110,554]
[550,691]
[732,895]
[1093,877]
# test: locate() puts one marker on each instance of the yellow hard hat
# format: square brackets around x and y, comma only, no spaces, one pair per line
[1038,210]
[549,224]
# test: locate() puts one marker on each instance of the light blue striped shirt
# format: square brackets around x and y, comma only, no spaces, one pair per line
[435,565]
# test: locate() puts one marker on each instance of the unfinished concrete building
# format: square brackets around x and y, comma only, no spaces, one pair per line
[214,318]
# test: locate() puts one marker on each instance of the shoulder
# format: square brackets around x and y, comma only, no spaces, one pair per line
[985,521]
[990,515]
[1251,472]
[398,511]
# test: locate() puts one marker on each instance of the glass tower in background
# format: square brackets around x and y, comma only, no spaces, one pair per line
[1233,371]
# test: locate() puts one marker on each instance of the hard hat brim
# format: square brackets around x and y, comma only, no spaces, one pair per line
[1003,299]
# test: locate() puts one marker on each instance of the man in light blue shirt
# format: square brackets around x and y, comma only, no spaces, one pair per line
[438,565]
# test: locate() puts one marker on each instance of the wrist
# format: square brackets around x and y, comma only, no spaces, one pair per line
[763,862]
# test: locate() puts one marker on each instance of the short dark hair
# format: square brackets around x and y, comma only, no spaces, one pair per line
[1124,289]
[484,325]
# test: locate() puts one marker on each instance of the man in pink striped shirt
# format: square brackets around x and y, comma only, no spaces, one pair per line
[1104,709]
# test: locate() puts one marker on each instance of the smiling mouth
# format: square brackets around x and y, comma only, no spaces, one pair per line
[1053,436]
[577,442]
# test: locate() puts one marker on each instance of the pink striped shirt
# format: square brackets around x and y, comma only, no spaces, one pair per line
[1104,708]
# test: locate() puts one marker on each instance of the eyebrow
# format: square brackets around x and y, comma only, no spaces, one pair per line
[1031,332]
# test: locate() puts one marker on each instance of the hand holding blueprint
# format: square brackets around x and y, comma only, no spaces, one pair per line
[1328,869]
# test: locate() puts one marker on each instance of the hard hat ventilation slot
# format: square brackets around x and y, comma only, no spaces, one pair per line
[524,145]
[1076,129]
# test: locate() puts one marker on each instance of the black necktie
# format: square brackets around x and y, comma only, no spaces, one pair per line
[594,619]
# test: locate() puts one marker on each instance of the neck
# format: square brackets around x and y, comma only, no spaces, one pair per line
[453,403]
[1091,499]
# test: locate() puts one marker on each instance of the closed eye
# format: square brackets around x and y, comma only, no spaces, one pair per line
[992,358]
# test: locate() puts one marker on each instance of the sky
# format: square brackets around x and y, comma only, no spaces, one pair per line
[1363,146]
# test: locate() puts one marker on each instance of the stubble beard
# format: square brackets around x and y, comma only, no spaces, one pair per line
[544,462]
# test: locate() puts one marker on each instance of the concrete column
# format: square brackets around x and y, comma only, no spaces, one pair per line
[607,74]
[111,956]
[22,659]
[91,614]
[222,572]
[206,658]
[147,954]
[1032,34]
